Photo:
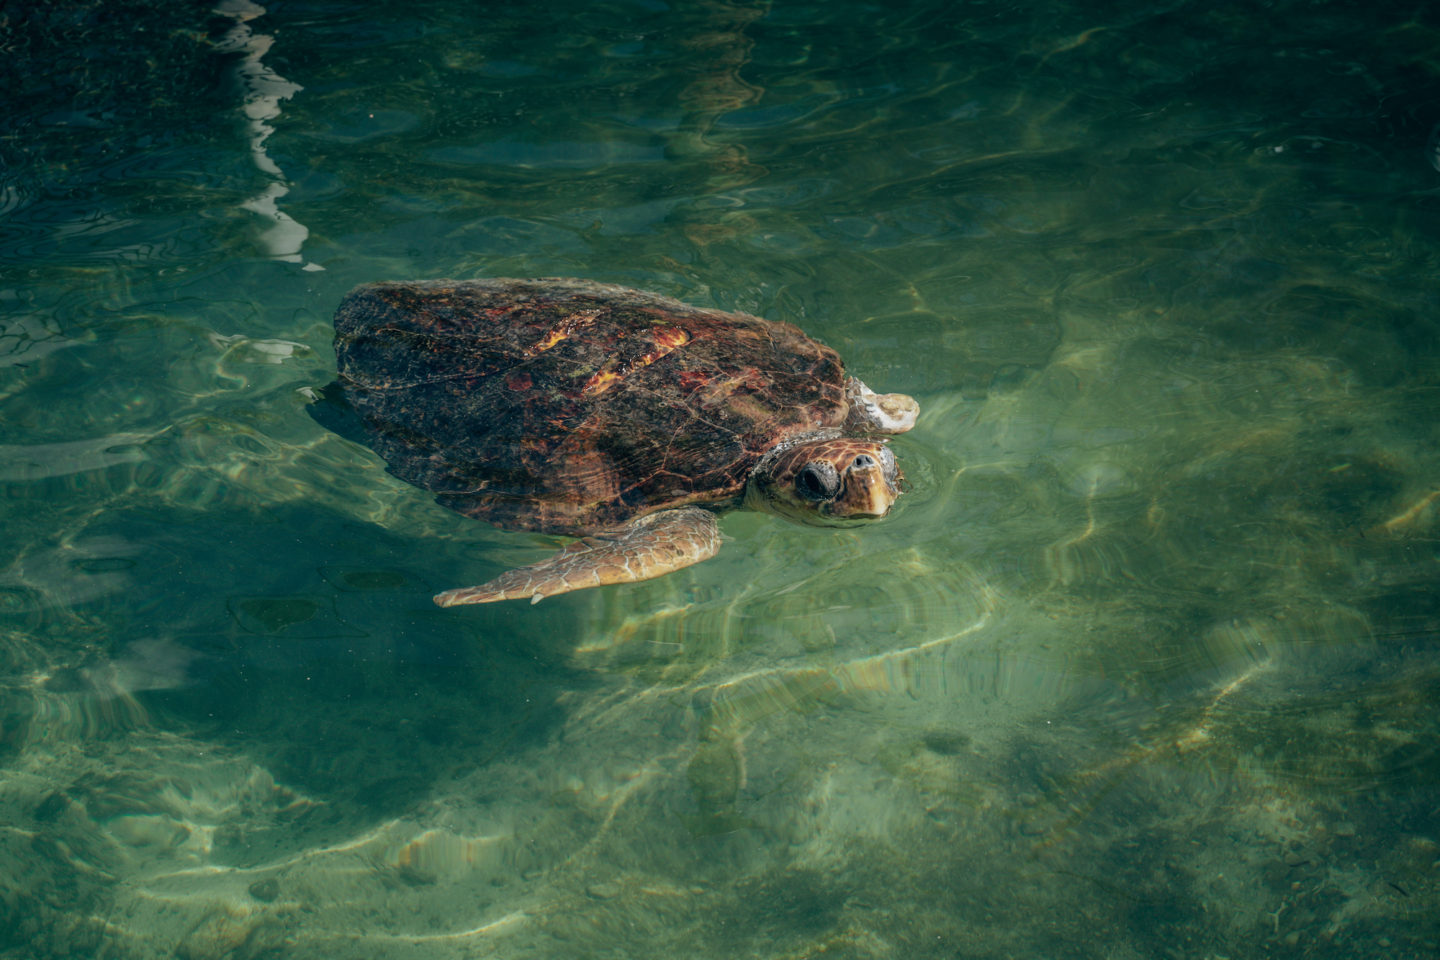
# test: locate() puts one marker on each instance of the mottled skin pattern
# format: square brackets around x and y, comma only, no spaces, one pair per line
[867,478]
[581,408]
[646,547]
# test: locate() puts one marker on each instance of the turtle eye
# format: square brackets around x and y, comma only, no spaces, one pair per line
[818,480]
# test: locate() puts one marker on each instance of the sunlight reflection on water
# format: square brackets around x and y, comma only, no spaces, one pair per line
[1143,661]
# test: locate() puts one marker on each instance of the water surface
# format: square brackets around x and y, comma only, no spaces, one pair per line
[1144,664]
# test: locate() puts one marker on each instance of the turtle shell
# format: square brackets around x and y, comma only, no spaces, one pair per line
[568,406]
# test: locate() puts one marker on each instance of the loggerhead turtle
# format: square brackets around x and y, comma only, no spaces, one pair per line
[609,414]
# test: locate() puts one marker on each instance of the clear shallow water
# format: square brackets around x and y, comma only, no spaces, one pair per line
[1145,665]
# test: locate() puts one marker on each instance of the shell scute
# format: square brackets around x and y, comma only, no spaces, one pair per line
[568,406]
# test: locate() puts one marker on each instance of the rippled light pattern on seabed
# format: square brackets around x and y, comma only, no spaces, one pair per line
[1144,664]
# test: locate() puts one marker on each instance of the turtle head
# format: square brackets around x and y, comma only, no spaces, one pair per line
[827,481]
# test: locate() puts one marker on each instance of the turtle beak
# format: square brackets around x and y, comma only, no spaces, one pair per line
[867,493]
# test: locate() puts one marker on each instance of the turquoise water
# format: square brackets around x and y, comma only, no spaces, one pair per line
[1144,664]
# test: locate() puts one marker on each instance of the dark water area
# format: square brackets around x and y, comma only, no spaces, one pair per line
[1145,662]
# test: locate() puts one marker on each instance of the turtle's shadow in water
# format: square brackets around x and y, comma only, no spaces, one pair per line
[338,674]
[332,411]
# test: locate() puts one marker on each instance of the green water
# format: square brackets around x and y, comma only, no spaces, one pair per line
[1144,664]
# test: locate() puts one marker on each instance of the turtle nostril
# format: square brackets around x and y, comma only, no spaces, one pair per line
[862,462]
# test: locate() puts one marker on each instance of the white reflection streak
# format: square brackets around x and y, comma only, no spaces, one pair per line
[264,89]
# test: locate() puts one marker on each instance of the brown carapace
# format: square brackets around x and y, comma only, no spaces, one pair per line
[617,416]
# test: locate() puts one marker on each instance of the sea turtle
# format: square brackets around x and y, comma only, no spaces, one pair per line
[610,414]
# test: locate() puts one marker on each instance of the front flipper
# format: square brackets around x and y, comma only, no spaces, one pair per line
[646,547]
